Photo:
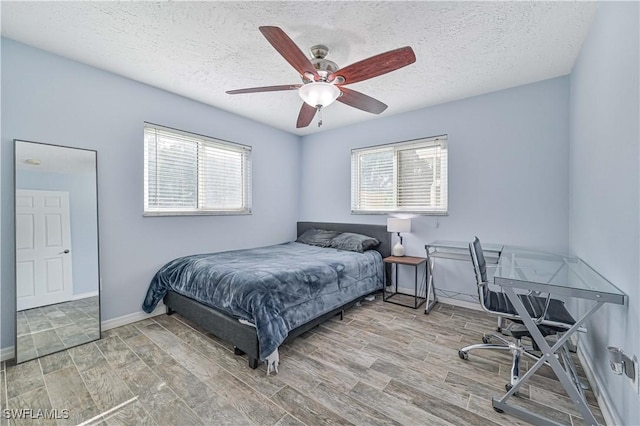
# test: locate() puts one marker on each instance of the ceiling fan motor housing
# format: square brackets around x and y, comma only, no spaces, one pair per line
[322,65]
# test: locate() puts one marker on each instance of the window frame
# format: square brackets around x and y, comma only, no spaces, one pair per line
[397,146]
[246,178]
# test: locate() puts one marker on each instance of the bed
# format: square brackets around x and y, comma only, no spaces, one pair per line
[269,295]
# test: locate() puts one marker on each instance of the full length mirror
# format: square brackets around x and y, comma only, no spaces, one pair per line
[56,243]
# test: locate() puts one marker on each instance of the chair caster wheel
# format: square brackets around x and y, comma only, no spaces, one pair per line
[497,410]
[485,340]
[463,355]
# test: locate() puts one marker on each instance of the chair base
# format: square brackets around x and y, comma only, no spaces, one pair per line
[516,348]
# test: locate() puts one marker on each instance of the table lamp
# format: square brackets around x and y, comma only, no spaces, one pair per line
[398,225]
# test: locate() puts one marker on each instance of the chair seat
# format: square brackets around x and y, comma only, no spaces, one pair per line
[499,302]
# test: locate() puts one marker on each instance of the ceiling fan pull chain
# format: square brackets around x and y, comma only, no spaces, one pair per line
[319,115]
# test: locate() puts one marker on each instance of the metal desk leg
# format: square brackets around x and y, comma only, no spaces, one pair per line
[548,356]
[431,290]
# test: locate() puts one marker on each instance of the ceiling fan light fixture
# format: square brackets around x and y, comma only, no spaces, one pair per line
[319,93]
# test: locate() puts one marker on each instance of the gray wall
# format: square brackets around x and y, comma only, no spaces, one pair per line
[508,172]
[605,187]
[50,99]
[83,217]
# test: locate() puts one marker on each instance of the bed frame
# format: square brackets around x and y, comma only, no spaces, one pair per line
[244,337]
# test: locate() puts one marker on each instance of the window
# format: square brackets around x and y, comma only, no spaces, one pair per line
[406,177]
[185,173]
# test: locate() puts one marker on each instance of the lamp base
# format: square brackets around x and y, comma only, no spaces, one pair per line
[398,250]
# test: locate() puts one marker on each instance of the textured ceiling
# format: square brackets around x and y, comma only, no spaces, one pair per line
[201,49]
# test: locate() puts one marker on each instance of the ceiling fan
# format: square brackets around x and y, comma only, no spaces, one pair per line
[323,82]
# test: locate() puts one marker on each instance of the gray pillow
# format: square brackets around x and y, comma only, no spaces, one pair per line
[317,237]
[354,242]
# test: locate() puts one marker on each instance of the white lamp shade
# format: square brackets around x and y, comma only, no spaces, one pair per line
[319,93]
[396,224]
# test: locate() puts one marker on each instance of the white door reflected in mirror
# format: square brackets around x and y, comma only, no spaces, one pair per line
[43,246]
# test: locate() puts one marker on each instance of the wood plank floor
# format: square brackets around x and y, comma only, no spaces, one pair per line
[383,364]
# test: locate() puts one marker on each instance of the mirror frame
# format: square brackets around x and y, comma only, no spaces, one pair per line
[15,234]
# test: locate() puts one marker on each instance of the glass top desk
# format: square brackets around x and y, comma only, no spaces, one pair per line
[459,250]
[556,275]
[453,250]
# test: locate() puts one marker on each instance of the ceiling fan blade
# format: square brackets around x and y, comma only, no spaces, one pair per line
[307,112]
[265,89]
[361,101]
[375,65]
[289,50]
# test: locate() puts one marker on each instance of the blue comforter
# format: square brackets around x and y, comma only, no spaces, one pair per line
[277,288]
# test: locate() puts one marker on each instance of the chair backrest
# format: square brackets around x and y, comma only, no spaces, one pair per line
[480,269]
[479,263]
[498,304]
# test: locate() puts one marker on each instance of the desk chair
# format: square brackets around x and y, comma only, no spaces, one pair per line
[549,314]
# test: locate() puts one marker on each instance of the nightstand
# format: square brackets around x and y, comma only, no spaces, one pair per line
[404,299]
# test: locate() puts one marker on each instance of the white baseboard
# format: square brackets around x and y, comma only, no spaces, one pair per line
[84,295]
[8,353]
[409,291]
[461,303]
[598,388]
[129,318]
[448,300]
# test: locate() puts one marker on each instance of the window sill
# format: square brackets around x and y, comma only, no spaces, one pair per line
[198,213]
[399,212]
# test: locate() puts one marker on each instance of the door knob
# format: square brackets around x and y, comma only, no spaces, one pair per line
[66,251]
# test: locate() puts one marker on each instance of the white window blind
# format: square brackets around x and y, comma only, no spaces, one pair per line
[186,173]
[406,177]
